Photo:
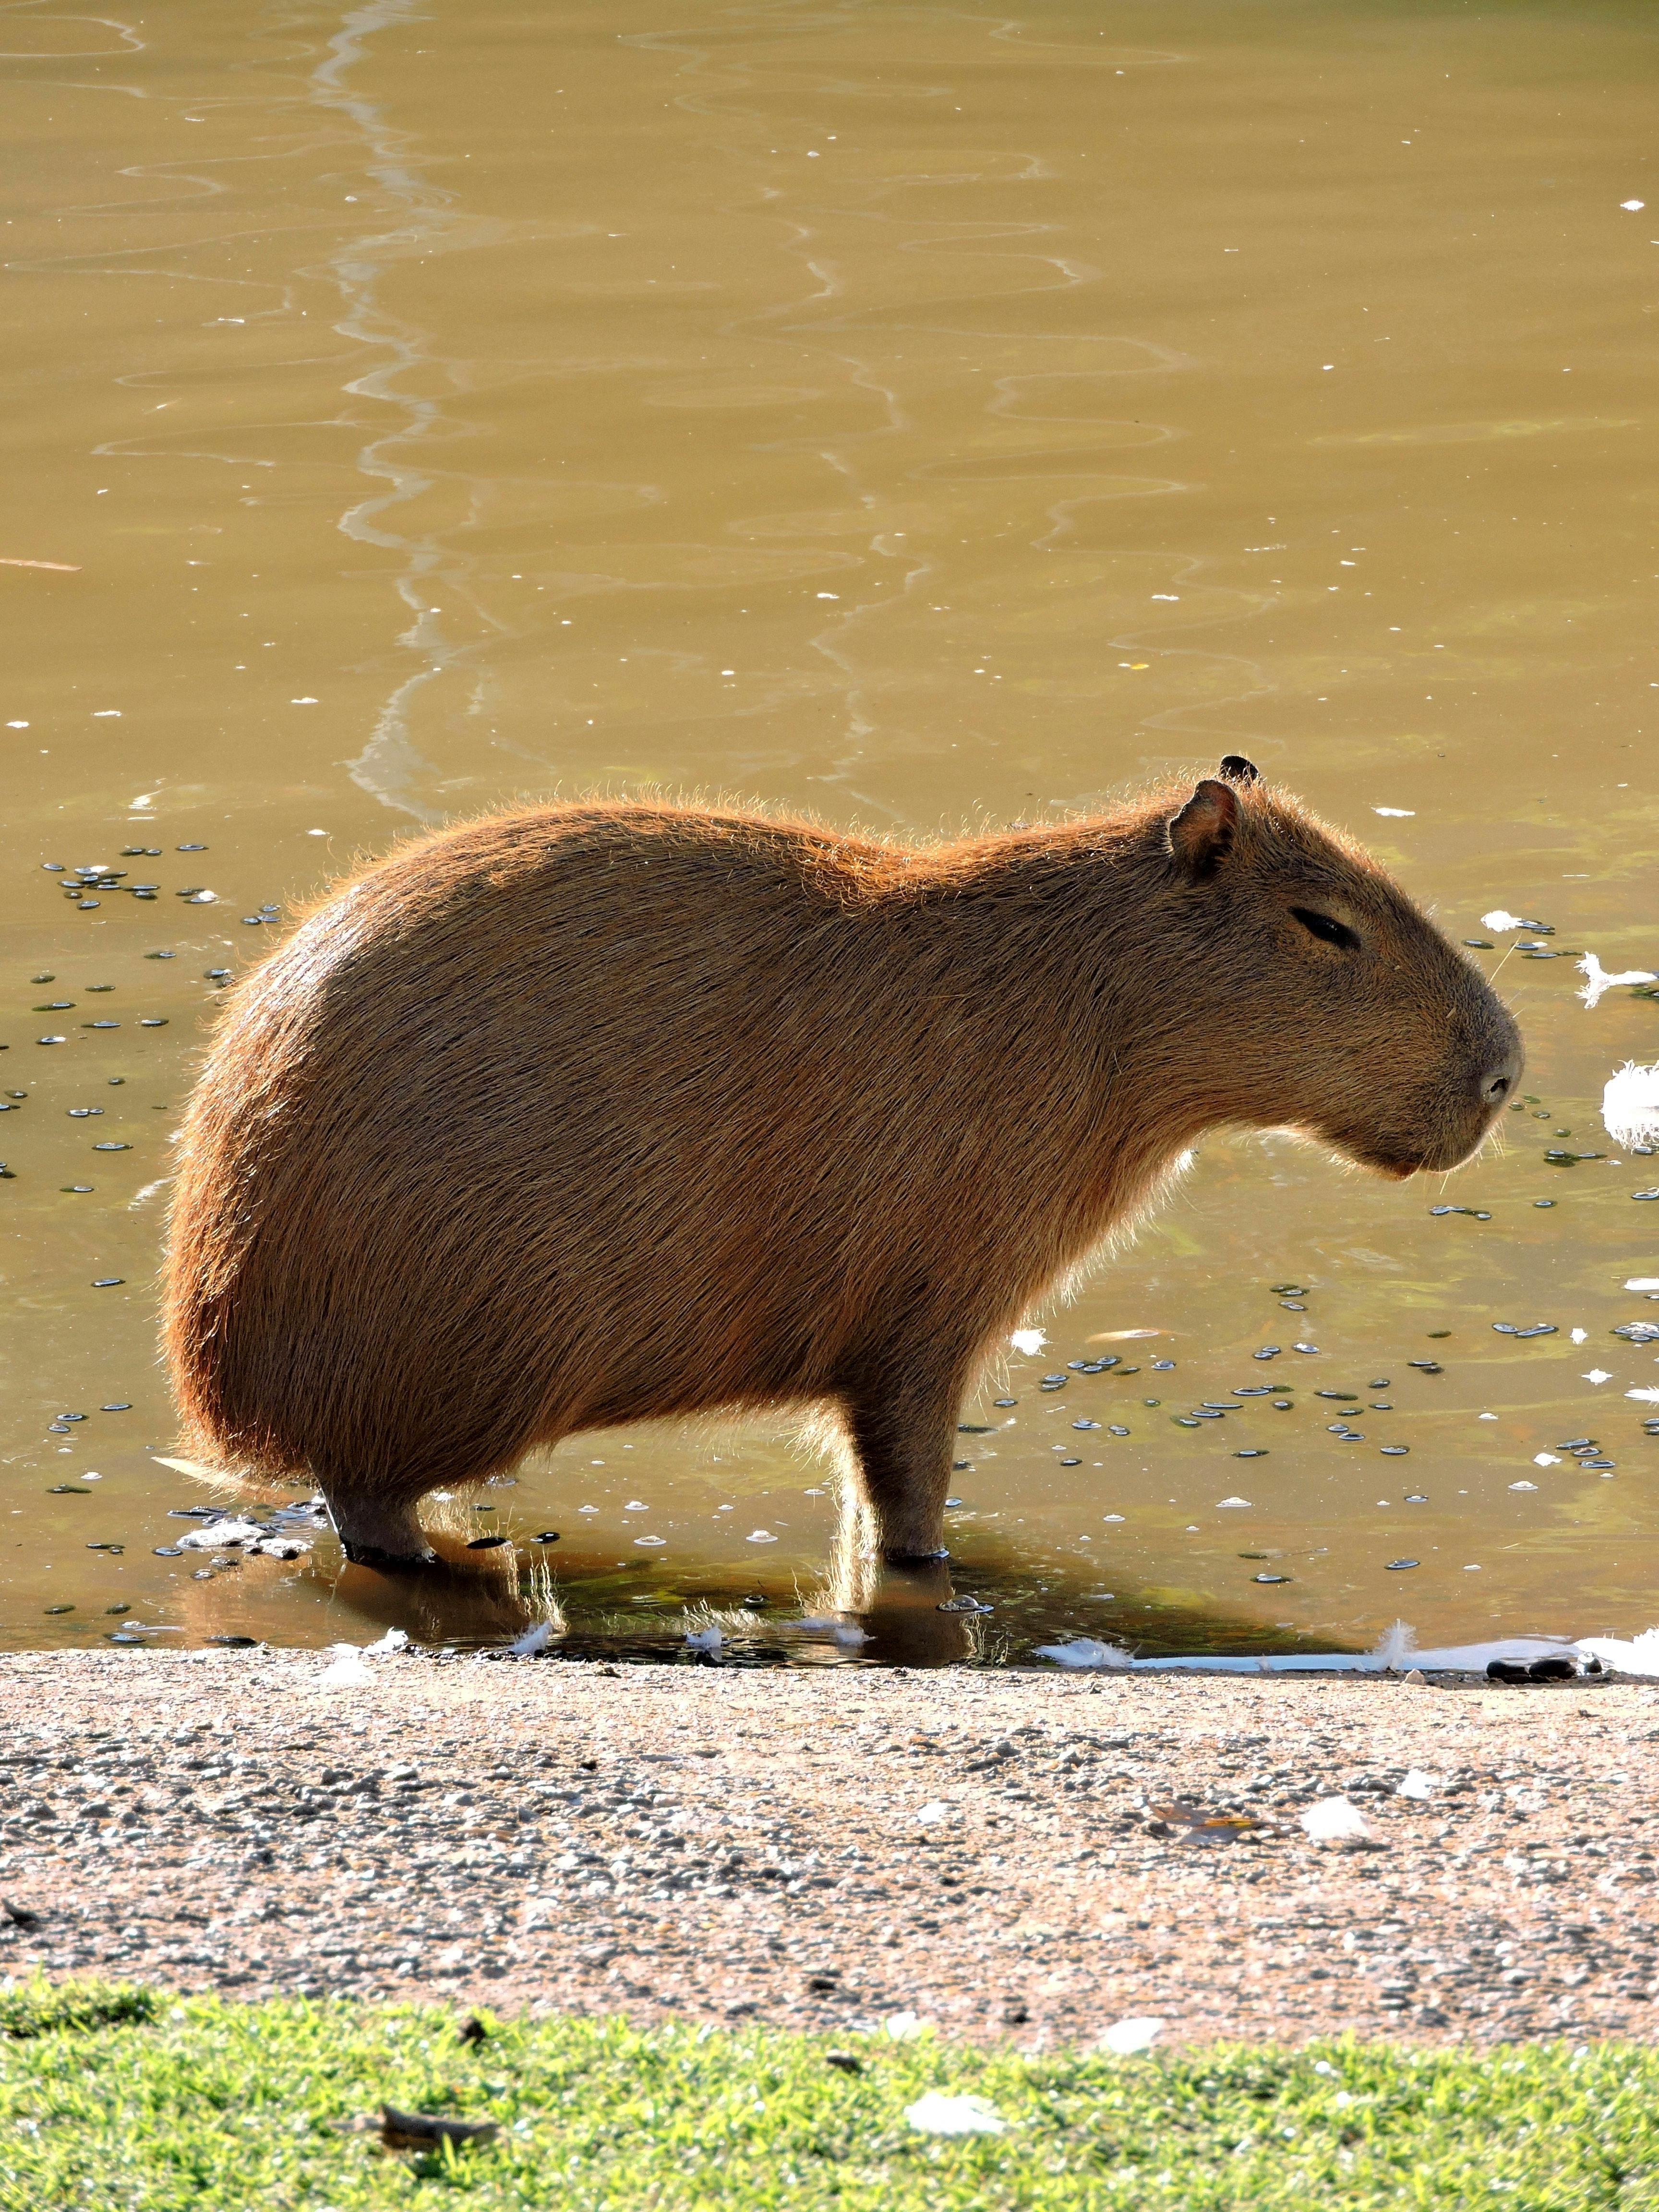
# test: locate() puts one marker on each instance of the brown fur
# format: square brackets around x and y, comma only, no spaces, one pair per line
[589,1114]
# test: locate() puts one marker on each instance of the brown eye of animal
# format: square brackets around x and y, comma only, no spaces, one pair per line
[1325,929]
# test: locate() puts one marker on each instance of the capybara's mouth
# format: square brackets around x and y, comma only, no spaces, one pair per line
[1434,1159]
[1399,1170]
[1398,1165]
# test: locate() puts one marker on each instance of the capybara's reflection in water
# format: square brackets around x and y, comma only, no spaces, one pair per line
[861,1607]
[897,1604]
[595,1114]
[453,1602]
[483,1597]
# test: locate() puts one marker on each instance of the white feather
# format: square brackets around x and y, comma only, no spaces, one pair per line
[347,1672]
[1084,1651]
[1630,1105]
[1600,980]
[936,2114]
[1334,1821]
[1396,1648]
[222,1536]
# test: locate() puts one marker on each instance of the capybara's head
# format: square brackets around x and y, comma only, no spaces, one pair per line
[1348,1015]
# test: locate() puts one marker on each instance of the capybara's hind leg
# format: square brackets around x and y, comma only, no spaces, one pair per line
[902,1438]
[376,1531]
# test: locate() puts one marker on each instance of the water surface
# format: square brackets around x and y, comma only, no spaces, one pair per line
[922,416]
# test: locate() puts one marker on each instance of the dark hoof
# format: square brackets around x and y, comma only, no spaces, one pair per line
[370,1555]
[915,1559]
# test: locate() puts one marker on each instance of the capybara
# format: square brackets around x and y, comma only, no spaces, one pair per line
[594,1113]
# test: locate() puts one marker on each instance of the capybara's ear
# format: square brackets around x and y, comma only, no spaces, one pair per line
[1237,769]
[1201,835]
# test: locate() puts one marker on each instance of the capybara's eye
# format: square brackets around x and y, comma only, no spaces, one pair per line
[1328,931]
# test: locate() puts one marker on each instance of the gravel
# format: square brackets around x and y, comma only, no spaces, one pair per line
[1006,1854]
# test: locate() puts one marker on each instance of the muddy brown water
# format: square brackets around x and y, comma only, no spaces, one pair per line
[922,416]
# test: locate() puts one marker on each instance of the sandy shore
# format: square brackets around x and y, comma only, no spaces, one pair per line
[827,1848]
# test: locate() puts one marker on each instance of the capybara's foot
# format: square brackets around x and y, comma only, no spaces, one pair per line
[371,1555]
[897,1558]
[380,1532]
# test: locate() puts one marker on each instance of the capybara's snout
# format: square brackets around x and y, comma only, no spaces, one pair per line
[1467,1087]
[1484,1082]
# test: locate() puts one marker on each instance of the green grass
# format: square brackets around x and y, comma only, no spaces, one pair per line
[113,2100]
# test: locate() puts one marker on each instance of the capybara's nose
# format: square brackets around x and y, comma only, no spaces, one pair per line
[1498,1083]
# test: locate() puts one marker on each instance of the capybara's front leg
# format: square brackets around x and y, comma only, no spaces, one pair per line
[902,1441]
[377,1532]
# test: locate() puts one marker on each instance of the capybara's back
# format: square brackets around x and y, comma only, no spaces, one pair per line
[591,1113]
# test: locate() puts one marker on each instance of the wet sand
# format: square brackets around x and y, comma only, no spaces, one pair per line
[826,1849]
